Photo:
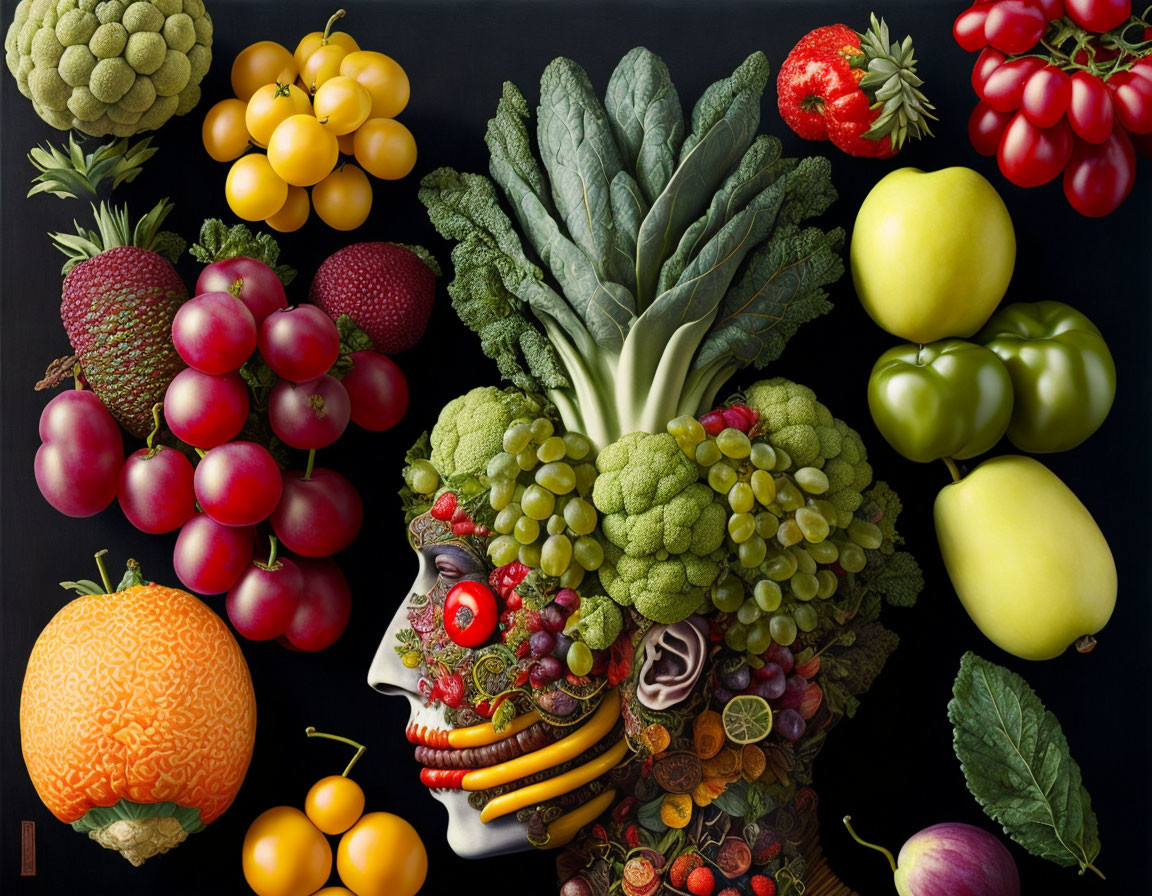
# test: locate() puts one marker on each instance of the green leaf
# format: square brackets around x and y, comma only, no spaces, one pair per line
[648,816]
[899,578]
[724,123]
[646,119]
[1017,764]
[218,241]
[734,800]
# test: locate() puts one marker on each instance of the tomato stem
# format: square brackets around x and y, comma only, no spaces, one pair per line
[103,570]
[311,463]
[848,824]
[336,17]
[155,427]
[360,748]
[272,551]
[952,468]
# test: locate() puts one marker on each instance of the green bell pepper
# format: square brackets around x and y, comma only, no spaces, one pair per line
[1062,373]
[949,399]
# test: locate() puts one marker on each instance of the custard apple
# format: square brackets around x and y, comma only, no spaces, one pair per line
[108,66]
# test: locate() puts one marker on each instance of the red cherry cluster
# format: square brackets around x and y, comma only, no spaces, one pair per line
[738,416]
[1065,86]
[237,484]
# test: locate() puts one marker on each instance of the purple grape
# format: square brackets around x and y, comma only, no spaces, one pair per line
[552,618]
[576,886]
[566,598]
[738,678]
[793,692]
[545,672]
[541,644]
[770,681]
[559,703]
[791,725]
[781,656]
[723,695]
[563,645]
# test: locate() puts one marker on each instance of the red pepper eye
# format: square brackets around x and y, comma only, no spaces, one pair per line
[470,613]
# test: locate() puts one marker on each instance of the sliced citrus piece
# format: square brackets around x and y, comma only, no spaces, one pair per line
[747,719]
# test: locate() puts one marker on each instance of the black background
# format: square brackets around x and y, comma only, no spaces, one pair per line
[892,767]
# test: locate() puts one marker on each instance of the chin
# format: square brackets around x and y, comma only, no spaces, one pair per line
[470,838]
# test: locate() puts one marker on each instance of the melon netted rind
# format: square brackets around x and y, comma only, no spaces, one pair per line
[109,66]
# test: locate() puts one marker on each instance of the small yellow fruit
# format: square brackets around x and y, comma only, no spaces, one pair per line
[294,214]
[253,190]
[270,105]
[347,143]
[224,134]
[342,105]
[264,62]
[312,42]
[344,198]
[1027,560]
[301,151]
[322,65]
[385,148]
[382,856]
[334,804]
[382,77]
[284,854]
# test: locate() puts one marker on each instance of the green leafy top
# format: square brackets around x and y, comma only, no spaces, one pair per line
[72,173]
[1017,764]
[219,241]
[645,259]
[114,229]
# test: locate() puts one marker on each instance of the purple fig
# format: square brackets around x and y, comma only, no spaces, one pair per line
[951,859]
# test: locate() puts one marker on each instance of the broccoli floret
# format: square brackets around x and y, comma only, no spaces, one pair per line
[600,621]
[661,526]
[795,421]
[470,429]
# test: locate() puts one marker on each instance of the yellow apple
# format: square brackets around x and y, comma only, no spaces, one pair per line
[932,253]
[1027,560]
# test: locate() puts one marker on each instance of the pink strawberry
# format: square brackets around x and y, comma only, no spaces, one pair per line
[386,288]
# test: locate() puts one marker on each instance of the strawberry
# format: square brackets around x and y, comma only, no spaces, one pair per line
[701,882]
[119,298]
[762,886]
[386,288]
[445,506]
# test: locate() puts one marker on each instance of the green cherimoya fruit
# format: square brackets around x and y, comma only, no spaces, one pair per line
[108,66]
[793,420]
[470,429]
[663,529]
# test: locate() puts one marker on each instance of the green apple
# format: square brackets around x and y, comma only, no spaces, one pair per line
[1027,560]
[932,253]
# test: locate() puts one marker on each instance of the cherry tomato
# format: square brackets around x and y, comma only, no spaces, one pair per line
[1098,15]
[1029,156]
[968,29]
[264,62]
[294,214]
[1132,97]
[224,135]
[470,613]
[342,104]
[302,152]
[270,105]
[344,198]
[382,856]
[1004,89]
[986,126]
[986,63]
[78,466]
[1090,110]
[323,64]
[208,557]
[317,516]
[377,390]
[385,148]
[253,189]
[284,854]
[382,77]
[238,483]
[155,490]
[312,42]
[347,143]
[324,609]
[1014,26]
[263,601]
[1046,96]
[334,804]
[1052,9]
[1100,176]
[1142,143]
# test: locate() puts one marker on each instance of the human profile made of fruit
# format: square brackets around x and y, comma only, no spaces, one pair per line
[640,606]
[286,852]
[137,714]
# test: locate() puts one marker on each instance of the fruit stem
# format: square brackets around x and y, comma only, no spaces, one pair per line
[103,570]
[952,468]
[360,748]
[272,551]
[855,836]
[201,452]
[1093,868]
[76,384]
[155,426]
[1085,644]
[311,463]
[336,17]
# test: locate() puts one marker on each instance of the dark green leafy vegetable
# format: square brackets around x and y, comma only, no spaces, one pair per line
[1017,764]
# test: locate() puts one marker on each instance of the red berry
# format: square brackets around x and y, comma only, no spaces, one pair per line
[713,422]
[683,866]
[762,886]
[729,891]
[451,689]
[444,507]
[632,836]
[460,515]
[465,528]
[701,882]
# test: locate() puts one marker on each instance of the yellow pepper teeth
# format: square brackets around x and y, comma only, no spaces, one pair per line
[485,733]
[602,721]
[535,794]
[564,828]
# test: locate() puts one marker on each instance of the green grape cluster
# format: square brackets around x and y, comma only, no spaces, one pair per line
[783,535]
[540,486]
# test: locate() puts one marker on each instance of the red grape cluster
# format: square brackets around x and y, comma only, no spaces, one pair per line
[1065,86]
[237,484]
